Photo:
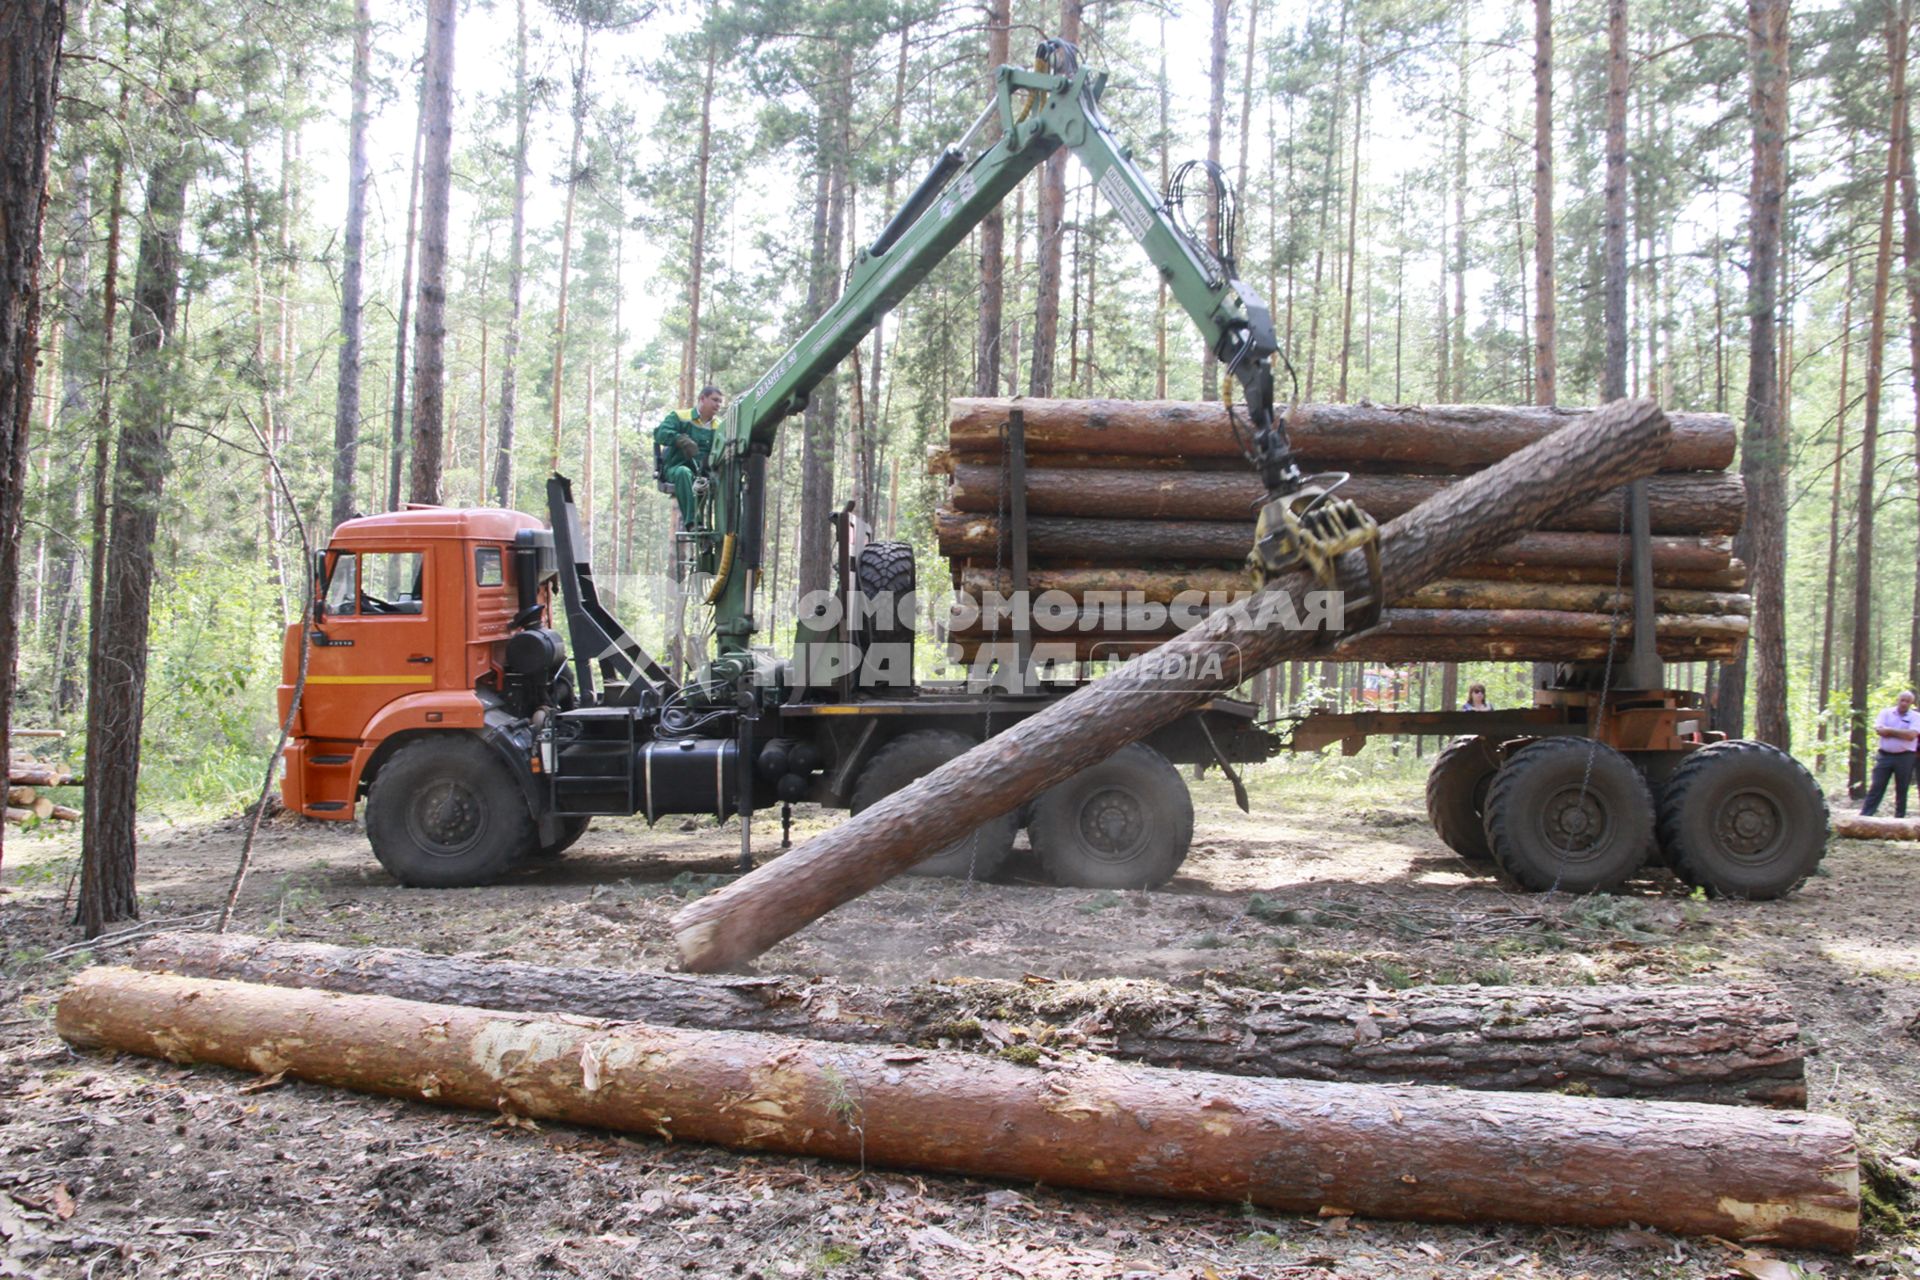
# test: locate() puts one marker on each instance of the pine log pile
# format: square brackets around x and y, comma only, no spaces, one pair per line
[1735,1044]
[26,775]
[1155,498]
[1302,1146]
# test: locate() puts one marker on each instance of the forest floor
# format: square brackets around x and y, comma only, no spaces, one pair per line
[125,1166]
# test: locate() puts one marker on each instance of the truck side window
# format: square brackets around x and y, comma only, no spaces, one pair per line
[392,582]
[486,567]
[341,583]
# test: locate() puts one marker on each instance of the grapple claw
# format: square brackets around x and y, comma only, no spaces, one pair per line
[1310,528]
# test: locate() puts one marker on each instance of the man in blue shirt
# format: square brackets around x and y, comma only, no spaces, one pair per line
[1899,730]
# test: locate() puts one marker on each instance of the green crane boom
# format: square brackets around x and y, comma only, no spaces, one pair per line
[1054,105]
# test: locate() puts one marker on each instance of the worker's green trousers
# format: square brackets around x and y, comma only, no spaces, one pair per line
[680,476]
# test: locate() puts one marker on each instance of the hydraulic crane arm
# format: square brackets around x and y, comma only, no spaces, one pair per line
[1040,110]
[1053,105]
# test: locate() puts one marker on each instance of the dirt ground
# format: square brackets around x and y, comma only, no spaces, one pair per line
[129,1167]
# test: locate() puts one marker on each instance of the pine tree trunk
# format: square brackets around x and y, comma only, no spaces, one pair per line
[1545,388]
[30,33]
[1050,211]
[1462,113]
[1353,233]
[986,375]
[397,410]
[116,681]
[503,482]
[1766,450]
[1863,665]
[430,321]
[1910,263]
[346,411]
[697,250]
[556,385]
[1216,125]
[1823,710]
[1613,378]
[81,333]
[819,422]
[1166,169]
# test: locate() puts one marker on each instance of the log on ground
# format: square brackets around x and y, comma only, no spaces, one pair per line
[1445,437]
[1459,525]
[1677,504]
[1294,1145]
[1854,826]
[1734,1044]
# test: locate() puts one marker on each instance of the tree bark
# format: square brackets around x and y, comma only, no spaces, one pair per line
[1216,126]
[1545,363]
[1734,1045]
[1459,526]
[1162,586]
[1766,448]
[1862,658]
[1299,1146]
[566,241]
[1049,218]
[503,483]
[1853,826]
[1383,647]
[346,409]
[430,318]
[397,415]
[1824,678]
[1684,503]
[986,368]
[30,33]
[1137,542]
[1910,262]
[1419,437]
[117,675]
[697,251]
[819,423]
[1613,378]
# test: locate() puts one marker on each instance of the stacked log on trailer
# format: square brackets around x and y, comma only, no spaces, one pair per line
[26,776]
[1153,503]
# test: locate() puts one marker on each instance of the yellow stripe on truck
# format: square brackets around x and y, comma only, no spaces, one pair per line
[369,679]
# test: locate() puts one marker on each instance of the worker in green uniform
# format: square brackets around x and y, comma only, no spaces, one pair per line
[682,444]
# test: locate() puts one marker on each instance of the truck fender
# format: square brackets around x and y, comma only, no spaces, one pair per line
[512,740]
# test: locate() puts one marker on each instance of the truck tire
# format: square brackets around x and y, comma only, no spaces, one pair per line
[571,829]
[1743,820]
[1125,823]
[445,814]
[884,572]
[911,757]
[1457,795]
[1569,814]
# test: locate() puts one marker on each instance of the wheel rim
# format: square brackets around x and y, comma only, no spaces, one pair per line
[1748,825]
[1113,824]
[445,818]
[1576,822]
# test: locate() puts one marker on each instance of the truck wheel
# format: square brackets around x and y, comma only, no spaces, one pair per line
[1457,795]
[1125,823]
[444,814]
[571,829]
[1569,814]
[911,757]
[884,574]
[1743,820]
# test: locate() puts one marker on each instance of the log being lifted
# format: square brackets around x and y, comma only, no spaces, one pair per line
[1225,543]
[1854,826]
[1459,525]
[1163,586]
[1299,1146]
[1677,504]
[1734,1044]
[1449,437]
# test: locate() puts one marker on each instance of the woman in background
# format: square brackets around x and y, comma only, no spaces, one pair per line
[1477,698]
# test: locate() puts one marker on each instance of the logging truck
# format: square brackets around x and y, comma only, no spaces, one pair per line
[433,683]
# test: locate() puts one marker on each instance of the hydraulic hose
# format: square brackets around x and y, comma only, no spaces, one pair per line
[721,574]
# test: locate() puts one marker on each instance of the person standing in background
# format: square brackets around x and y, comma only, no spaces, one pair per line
[1899,730]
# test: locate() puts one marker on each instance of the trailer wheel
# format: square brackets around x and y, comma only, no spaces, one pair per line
[1457,795]
[1743,820]
[445,814]
[1569,814]
[1125,823]
[571,829]
[911,757]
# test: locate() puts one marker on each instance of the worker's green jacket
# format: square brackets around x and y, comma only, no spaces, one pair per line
[681,422]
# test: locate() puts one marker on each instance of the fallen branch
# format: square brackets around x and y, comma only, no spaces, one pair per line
[1299,1146]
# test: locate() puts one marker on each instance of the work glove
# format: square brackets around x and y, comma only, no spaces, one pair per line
[699,484]
[688,449]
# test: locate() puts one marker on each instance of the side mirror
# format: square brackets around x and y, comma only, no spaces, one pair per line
[320,573]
